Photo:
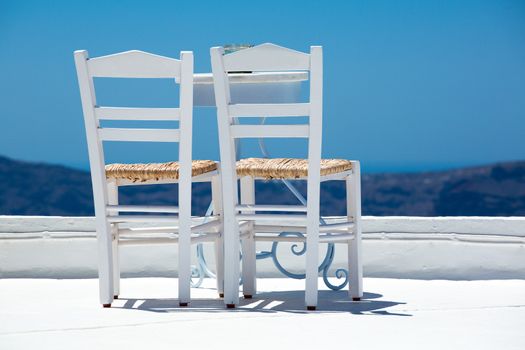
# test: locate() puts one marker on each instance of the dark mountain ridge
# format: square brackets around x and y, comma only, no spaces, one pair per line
[493,190]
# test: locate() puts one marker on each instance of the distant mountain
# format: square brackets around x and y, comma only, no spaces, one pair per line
[493,190]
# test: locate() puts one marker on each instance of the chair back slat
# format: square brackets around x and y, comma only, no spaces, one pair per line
[269,109]
[266,57]
[134,64]
[125,113]
[269,131]
[139,135]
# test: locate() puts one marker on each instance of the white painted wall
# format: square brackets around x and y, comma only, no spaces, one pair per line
[396,247]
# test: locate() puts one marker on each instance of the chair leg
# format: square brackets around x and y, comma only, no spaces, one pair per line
[184,238]
[116,263]
[355,265]
[231,240]
[231,263]
[184,266]
[312,261]
[219,245]
[105,261]
[249,287]
[312,237]
[248,266]
[113,200]
[219,263]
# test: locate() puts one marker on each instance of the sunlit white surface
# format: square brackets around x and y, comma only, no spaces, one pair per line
[395,314]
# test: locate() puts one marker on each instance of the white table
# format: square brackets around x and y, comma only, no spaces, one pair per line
[259,87]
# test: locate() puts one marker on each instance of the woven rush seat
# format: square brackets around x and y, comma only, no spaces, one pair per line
[287,168]
[156,171]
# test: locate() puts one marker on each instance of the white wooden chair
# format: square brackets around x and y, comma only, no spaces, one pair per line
[114,222]
[252,222]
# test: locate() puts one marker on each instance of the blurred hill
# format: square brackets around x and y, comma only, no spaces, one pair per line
[492,190]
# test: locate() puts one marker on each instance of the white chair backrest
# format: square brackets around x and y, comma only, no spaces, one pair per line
[135,64]
[270,57]
[266,57]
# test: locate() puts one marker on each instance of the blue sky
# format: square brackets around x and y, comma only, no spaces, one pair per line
[409,85]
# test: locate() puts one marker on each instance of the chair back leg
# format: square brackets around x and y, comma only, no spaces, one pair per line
[231,242]
[105,261]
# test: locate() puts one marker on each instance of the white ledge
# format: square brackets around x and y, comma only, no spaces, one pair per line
[457,248]
[504,226]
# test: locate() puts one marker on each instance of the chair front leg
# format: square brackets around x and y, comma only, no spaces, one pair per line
[113,200]
[219,244]
[248,242]
[230,241]
[355,264]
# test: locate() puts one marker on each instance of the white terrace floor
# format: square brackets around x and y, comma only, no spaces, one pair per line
[395,314]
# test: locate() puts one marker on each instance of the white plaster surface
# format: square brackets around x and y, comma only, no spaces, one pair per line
[394,314]
[507,226]
[458,248]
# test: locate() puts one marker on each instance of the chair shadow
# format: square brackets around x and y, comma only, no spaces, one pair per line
[274,302]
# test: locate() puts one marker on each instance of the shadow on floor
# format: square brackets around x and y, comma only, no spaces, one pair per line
[273,302]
